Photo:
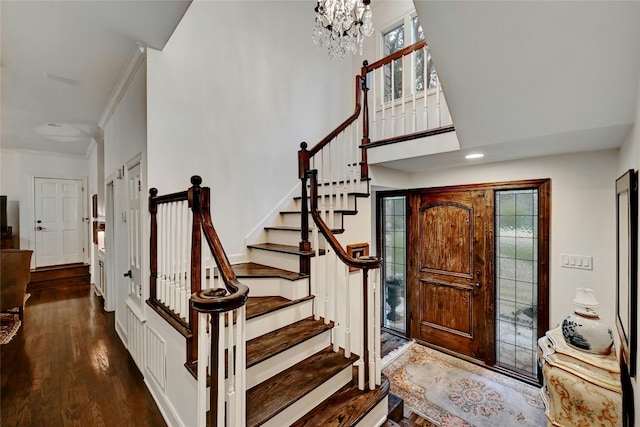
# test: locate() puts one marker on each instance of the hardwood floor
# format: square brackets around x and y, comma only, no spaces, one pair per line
[67,367]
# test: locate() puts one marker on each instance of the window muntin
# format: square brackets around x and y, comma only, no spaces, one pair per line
[407,33]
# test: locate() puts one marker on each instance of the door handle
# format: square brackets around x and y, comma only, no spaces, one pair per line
[127,274]
[40,228]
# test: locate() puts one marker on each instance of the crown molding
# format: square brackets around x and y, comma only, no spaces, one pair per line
[136,58]
[13,150]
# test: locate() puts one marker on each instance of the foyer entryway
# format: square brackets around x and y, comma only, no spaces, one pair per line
[466,269]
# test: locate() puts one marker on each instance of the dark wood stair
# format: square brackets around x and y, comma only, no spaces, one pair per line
[284,249]
[252,269]
[59,275]
[298,229]
[263,347]
[346,407]
[269,398]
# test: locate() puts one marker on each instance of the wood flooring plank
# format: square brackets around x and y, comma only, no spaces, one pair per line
[67,367]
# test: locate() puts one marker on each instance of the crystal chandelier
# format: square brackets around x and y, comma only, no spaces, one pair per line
[341,25]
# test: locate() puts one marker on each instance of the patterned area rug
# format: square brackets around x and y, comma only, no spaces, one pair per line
[9,325]
[453,393]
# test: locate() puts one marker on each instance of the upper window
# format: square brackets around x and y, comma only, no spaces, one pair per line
[405,34]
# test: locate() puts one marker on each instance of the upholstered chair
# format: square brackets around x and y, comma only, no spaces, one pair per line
[15,273]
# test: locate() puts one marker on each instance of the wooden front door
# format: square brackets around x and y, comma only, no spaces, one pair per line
[450,270]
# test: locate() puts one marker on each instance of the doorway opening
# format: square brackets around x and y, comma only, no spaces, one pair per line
[466,270]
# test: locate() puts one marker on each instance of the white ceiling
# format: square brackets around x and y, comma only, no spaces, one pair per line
[533,78]
[60,61]
[522,78]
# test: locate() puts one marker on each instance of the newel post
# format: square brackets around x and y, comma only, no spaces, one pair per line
[364,165]
[195,204]
[305,245]
[365,324]
[153,250]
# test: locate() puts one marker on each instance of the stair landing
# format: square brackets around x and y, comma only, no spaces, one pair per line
[59,275]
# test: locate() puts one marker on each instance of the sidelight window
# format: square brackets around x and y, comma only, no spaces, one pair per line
[516,230]
[393,248]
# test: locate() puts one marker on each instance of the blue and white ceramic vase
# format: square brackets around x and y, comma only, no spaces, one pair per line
[583,329]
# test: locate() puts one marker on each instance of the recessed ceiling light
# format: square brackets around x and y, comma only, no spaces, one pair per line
[474,156]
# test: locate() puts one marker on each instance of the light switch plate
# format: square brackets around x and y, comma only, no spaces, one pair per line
[581,262]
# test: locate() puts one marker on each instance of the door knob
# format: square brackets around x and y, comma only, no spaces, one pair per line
[127,274]
[478,285]
[40,228]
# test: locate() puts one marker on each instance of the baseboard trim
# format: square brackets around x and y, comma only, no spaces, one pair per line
[164,405]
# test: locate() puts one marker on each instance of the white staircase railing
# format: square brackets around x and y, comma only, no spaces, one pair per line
[406,96]
[182,272]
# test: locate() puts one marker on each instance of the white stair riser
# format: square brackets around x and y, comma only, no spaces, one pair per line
[377,416]
[274,286]
[284,261]
[283,237]
[349,205]
[292,220]
[281,361]
[311,400]
[278,319]
[343,187]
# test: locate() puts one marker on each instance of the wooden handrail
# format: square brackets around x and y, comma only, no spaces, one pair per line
[395,55]
[304,164]
[212,300]
[364,263]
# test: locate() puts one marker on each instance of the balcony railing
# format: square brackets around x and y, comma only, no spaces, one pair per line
[405,100]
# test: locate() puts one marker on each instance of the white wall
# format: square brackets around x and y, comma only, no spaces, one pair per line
[124,139]
[18,170]
[232,95]
[125,134]
[582,217]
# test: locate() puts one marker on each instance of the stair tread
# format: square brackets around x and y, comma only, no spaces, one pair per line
[271,397]
[59,267]
[258,306]
[285,249]
[298,229]
[252,269]
[275,342]
[346,407]
[54,272]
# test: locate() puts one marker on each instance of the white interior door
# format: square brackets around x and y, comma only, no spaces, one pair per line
[58,216]
[134,189]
